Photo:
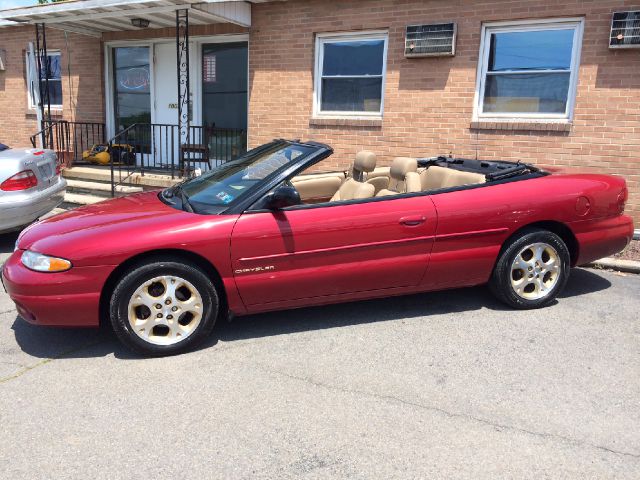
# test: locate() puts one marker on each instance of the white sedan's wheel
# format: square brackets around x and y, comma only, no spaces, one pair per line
[532,269]
[165,310]
[163,307]
[535,271]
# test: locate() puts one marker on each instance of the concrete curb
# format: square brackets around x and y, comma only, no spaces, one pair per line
[629,266]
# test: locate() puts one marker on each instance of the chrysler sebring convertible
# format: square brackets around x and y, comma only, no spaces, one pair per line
[278,229]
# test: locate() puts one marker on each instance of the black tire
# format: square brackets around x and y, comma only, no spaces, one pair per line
[501,279]
[136,278]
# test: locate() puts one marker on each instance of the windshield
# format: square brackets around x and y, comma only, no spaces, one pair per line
[235,179]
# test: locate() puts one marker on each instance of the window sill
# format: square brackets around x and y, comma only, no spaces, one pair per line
[346,121]
[522,124]
[55,112]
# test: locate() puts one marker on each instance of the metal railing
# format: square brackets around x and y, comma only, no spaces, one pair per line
[69,139]
[122,163]
[158,147]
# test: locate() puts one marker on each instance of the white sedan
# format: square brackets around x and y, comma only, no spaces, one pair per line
[30,186]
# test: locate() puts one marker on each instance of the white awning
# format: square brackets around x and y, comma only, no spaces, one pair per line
[93,17]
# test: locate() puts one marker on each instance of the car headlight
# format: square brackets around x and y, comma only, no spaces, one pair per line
[44,263]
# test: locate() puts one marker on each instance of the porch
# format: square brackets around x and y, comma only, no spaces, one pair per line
[176,92]
[142,146]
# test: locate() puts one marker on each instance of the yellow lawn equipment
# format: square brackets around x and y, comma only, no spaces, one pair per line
[101,154]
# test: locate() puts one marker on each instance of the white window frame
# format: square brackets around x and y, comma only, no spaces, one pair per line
[321,40]
[32,79]
[524,26]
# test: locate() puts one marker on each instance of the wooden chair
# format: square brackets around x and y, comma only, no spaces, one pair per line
[192,153]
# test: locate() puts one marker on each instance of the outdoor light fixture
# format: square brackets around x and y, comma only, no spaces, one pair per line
[140,22]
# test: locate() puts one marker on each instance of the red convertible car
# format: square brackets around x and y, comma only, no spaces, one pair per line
[272,230]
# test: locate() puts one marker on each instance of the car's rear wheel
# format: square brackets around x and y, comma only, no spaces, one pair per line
[163,308]
[531,270]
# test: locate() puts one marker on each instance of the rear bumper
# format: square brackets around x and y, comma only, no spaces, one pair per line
[16,212]
[602,238]
[67,299]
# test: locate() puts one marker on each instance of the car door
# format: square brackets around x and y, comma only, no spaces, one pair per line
[473,224]
[331,249]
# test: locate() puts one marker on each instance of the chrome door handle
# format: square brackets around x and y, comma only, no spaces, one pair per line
[412,221]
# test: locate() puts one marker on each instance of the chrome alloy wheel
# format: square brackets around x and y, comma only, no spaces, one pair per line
[165,310]
[535,271]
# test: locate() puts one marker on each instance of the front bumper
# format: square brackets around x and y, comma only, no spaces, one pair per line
[20,211]
[65,299]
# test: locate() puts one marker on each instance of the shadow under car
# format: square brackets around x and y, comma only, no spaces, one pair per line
[51,342]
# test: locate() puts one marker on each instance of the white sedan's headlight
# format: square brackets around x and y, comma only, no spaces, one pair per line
[44,263]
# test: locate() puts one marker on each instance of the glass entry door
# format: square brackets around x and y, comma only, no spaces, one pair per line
[132,97]
[224,99]
[132,85]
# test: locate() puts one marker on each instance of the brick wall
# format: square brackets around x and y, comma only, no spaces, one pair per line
[429,101]
[82,91]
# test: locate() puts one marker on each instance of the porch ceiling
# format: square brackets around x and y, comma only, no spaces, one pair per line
[93,17]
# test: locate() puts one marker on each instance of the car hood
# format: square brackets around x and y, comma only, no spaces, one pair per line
[117,226]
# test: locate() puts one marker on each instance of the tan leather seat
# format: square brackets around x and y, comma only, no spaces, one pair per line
[317,187]
[435,178]
[379,178]
[403,177]
[355,186]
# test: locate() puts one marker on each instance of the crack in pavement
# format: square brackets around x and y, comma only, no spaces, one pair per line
[447,413]
[45,361]
[15,364]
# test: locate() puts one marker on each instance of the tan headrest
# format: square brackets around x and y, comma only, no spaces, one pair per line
[365,161]
[401,166]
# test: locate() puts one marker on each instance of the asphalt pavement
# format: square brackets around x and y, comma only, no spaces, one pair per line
[440,385]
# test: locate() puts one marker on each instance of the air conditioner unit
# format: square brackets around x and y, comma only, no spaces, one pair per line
[432,40]
[625,30]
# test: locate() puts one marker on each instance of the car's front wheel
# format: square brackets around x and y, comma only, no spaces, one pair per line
[163,308]
[532,270]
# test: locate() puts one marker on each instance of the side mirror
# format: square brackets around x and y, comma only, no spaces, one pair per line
[282,197]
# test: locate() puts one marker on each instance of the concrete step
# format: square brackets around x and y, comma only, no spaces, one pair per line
[99,189]
[73,200]
[103,174]
[58,210]
[53,212]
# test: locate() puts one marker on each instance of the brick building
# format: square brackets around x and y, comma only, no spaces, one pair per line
[534,81]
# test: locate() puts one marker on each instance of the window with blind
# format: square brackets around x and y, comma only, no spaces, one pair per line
[529,69]
[350,74]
